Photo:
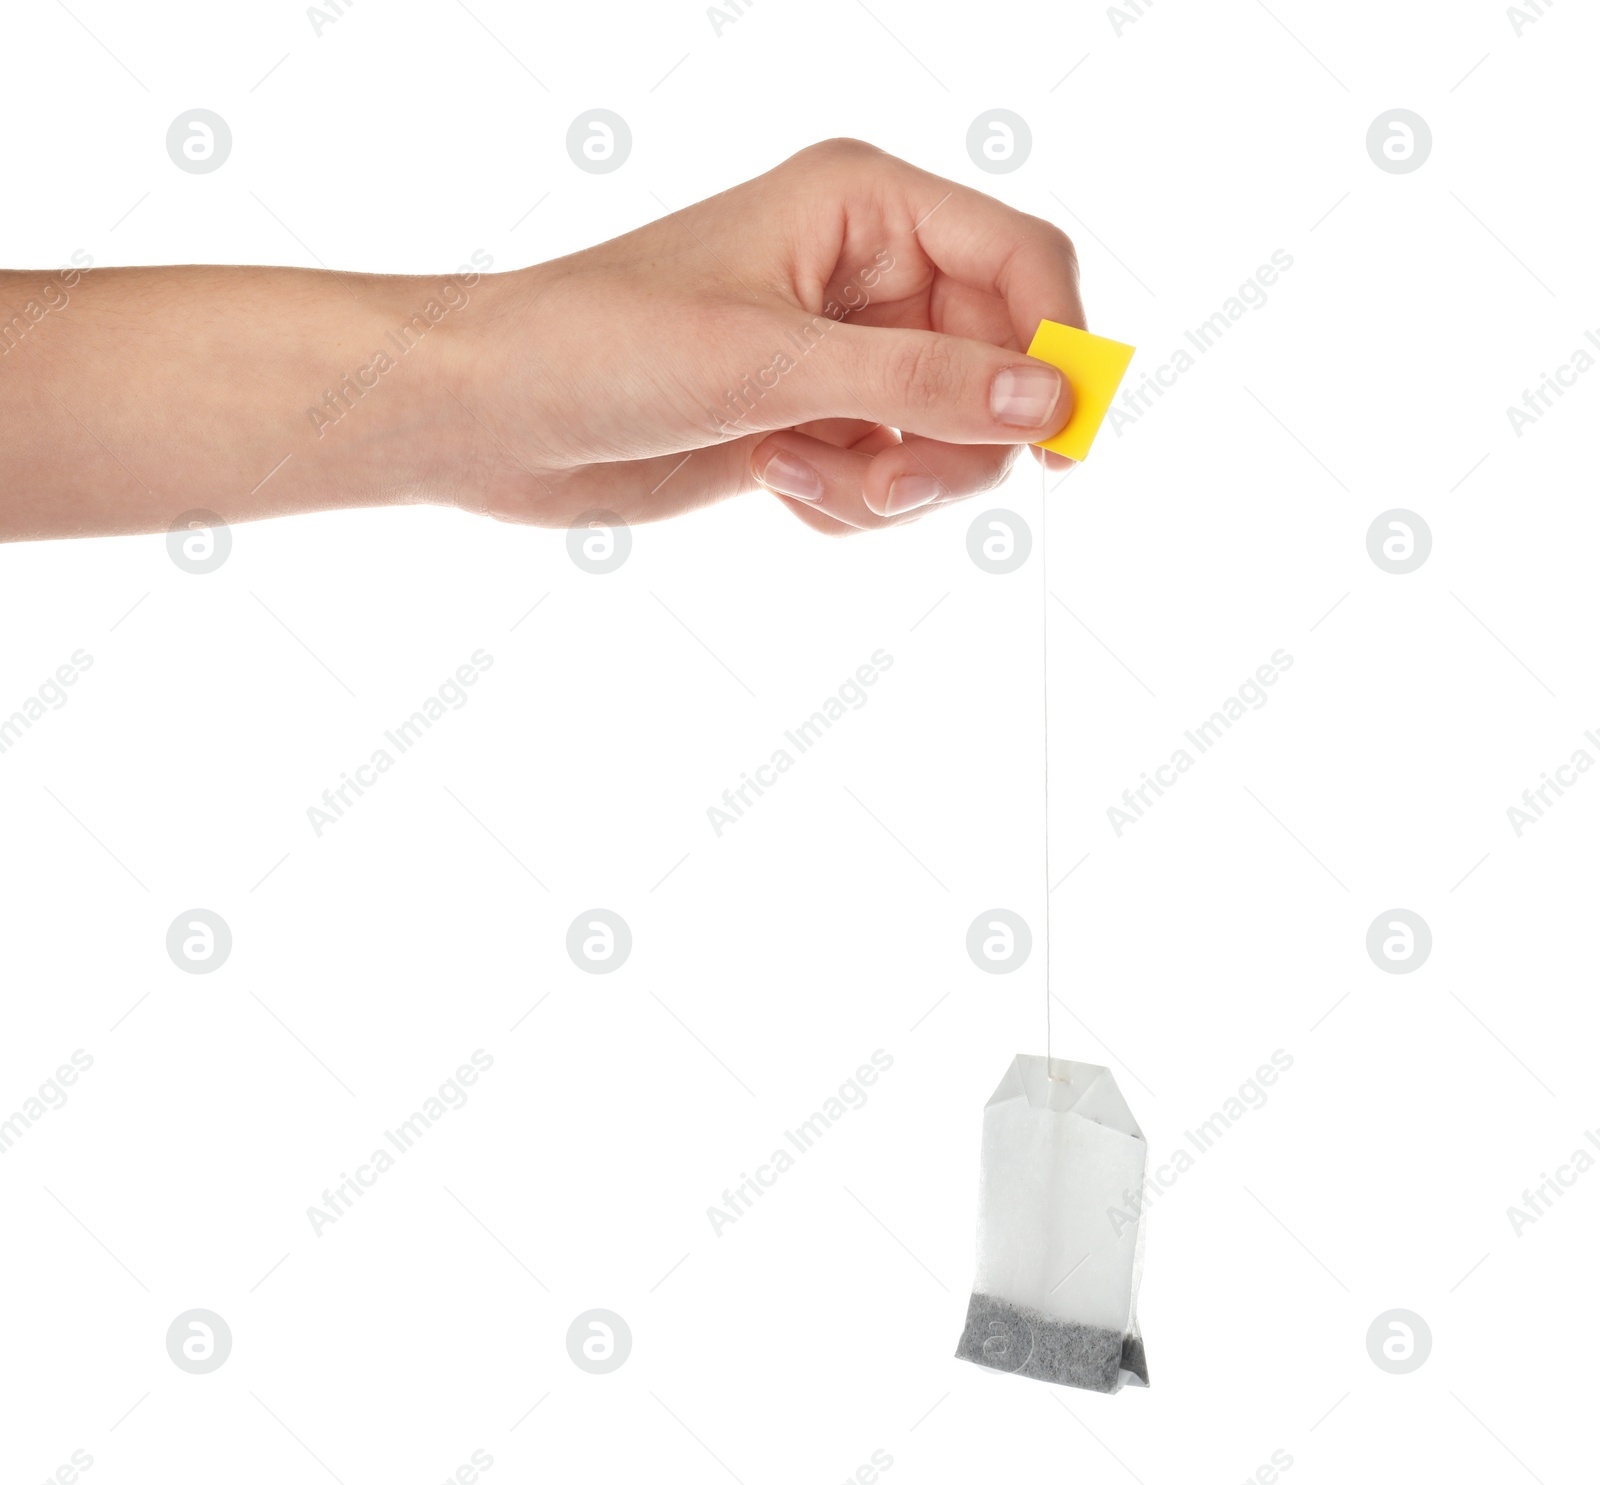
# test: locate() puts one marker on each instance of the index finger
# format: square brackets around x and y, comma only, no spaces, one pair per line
[1027,262]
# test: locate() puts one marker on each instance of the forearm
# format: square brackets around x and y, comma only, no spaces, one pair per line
[129,396]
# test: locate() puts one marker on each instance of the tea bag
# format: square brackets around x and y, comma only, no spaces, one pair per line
[1060,1230]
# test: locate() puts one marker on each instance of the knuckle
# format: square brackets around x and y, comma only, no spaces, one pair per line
[1069,251]
[1055,240]
[991,472]
[1000,471]
[842,147]
[832,156]
[924,371]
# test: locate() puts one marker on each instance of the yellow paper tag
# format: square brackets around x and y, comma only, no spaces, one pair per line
[1093,367]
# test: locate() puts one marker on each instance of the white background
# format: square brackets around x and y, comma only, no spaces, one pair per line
[1228,522]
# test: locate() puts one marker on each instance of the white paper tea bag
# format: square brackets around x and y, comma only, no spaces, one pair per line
[1059,1259]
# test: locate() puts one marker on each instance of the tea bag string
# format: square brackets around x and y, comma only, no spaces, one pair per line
[1044,653]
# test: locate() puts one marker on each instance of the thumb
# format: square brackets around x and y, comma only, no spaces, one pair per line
[940,386]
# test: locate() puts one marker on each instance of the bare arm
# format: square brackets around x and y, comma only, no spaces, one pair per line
[131,395]
[844,331]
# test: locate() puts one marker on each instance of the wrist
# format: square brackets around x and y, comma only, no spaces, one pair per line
[485,393]
[388,423]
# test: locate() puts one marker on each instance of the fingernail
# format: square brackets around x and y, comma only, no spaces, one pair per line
[1025,396]
[909,491]
[791,476]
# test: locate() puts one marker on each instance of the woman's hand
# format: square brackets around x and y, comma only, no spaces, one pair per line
[845,330]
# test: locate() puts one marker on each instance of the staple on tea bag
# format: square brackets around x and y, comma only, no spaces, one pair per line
[1058,1260]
